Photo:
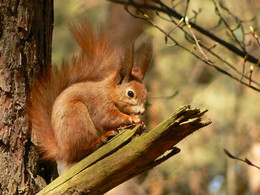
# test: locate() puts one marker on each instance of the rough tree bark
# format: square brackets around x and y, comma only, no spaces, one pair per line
[25,49]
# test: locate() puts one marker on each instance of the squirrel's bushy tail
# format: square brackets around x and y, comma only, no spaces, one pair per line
[96,61]
[39,107]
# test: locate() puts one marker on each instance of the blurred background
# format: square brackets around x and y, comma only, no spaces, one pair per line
[177,78]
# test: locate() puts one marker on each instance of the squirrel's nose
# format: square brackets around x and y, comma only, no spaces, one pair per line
[141,111]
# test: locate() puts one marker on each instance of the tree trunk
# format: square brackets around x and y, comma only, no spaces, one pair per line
[25,49]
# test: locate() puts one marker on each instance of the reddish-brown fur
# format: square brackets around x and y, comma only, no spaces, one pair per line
[71,108]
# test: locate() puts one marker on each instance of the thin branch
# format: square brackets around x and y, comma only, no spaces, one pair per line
[189,38]
[165,9]
[243,160]
[228,27]
[196,40]
[255,35]
[186,8]
[251,74]
[176,43]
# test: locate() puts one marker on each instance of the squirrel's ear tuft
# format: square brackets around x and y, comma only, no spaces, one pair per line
[126,65]
[143,61]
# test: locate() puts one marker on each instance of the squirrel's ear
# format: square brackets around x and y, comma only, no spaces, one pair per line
[127,65]
[143,61]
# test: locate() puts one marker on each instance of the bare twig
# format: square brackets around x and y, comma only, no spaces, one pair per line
[176,43]
[159,7]
[250,74]
[186,8]
[228,27]
[255,35]
[243,160]
[165,9]
[196,40]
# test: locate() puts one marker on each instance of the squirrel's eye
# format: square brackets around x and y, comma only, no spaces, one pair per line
[130,93]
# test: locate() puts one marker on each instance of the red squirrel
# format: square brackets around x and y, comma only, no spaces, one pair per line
[74,107]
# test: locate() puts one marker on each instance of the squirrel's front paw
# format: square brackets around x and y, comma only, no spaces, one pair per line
[134,119]
[137,121]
